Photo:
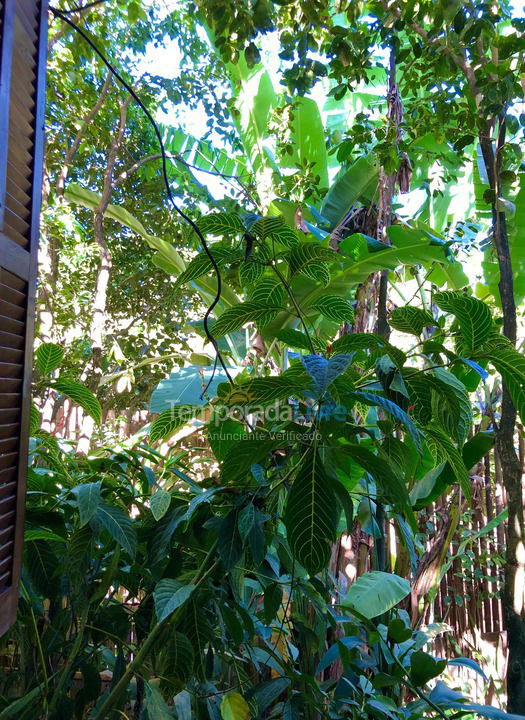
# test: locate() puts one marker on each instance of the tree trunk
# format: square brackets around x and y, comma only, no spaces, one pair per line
[98,322]
[514,578]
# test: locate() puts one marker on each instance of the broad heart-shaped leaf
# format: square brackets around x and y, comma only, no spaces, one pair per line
[268,290]
[423,667]
[367,341]
[185,387]
[170,420]
[335,308]
[394,410]
[80,395]
[48,357]
[88,500]
[221,224]
[234,707]
[235,317]
[323,372]
[410,319]
[159,503]
[201,264]
[474,318]
[169,595]
[511,366]
[374,593]
[311,515]
[444,450]
[119,525]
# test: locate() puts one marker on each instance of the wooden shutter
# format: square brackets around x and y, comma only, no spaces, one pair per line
[23,31]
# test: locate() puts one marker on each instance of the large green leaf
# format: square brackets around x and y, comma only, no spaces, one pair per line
[202,265]
[155,706]
[410,319]
[310,259]
[311,515]
[254,99]
[308,140]
[473,315]
[88,500]
[511,366]
[409,247]
[221,224]
[159,503]
[268,290]
[357,184]
[374,593]
[175,662]
[450,403]
[242,455]
[80,196]
[118,524]
[80,394]
[234,707]
[235,317]
[169,595]
[48,357]
[170,420]
[515,219]
[393,409]
[352,342]
[390,484]
[444,450]
[335,308]
[203,154]
[299,340]
[436,482]
[185,386]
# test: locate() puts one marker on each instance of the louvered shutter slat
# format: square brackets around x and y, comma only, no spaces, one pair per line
[22,72]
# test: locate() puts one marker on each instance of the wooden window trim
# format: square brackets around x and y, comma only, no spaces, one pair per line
[23,263]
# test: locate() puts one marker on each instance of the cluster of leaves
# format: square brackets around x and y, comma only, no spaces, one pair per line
[209,597]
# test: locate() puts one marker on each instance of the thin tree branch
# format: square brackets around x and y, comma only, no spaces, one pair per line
[72,150]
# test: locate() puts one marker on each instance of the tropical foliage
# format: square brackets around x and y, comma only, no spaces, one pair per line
[320,359]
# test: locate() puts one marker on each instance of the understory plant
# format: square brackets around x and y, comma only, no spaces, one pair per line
[158,587]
